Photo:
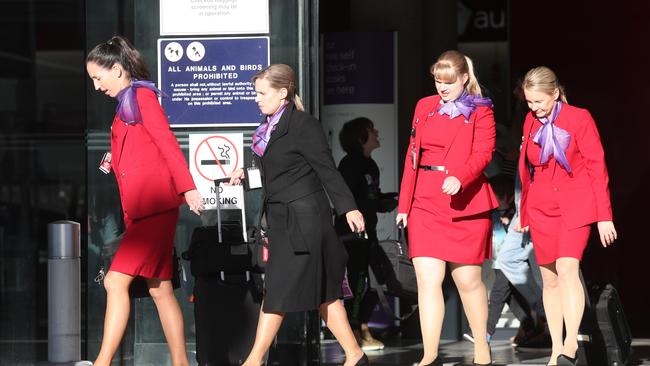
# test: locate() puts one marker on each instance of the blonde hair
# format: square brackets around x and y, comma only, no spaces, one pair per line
[542,79]
[453,64]
[281,76]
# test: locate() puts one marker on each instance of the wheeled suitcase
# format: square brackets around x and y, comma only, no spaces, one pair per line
[605,337]
[226,310]
[227,294]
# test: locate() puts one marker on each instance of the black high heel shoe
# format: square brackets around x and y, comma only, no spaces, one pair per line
[564,360]
[484,364]
[436,362]
[363,361]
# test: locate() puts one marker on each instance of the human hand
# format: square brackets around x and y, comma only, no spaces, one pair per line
[451,185]
[355,221]
[401,218]
[607,232]
[518,227]
[236,177]
[195,201]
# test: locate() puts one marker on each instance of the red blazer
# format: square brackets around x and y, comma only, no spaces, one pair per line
[148,163]
[583,195]
[468,153]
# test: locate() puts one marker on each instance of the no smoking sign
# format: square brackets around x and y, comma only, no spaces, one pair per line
[214,156]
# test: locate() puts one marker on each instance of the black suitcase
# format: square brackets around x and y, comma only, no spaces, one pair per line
[227,294]
[605,338]
[220,248]
[226,310]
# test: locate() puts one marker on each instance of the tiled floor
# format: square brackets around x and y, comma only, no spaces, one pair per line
[460,353]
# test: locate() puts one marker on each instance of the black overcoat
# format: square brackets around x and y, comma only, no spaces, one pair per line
[306,259]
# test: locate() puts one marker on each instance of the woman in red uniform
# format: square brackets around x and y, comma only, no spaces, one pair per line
[564,190]
[447,200]
[154,180]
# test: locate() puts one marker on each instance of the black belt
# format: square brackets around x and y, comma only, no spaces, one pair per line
[438,168]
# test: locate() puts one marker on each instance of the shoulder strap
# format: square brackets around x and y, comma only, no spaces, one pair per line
[384,300]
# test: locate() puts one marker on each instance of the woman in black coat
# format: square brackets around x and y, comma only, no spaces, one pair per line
[306,260]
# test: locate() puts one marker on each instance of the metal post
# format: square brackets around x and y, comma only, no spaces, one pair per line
[64,294]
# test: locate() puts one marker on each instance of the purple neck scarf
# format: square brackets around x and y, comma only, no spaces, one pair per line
[127,103]
[262,134]
[553,139]
[465,105]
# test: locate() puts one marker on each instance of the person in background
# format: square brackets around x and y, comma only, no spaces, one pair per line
[507,248]
[359,138]
[446,200]
[306,258]
[154,180]
[517,263]
[564,190]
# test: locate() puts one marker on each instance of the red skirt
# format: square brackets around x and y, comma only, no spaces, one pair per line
[551,238]
[434,233]
[148,246]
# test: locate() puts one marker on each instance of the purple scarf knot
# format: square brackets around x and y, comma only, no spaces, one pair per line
[262,134]
[127,103]
[465,105]
[553,139]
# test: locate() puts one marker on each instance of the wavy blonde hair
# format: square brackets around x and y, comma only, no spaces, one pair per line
[453,64]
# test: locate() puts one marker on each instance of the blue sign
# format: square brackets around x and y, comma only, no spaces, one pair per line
[358,68]
[208,80]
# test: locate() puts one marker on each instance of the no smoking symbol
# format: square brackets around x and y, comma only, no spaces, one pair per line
[215,157]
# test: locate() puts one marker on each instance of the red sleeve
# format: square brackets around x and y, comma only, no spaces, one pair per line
[524,174]
[407,185]
[591,150]
[155,122]
[482,148]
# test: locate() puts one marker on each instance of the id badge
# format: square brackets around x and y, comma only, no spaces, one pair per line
[253,178]
[105,164]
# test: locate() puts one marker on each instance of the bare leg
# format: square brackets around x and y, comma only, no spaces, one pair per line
[267,327]
[475,302]
[553,308]
[573,301]
[430,273]
[337,321]
[118,306]
[171,318]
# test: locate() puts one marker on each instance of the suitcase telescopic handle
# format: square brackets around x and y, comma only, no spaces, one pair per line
[217,182]
[221,180]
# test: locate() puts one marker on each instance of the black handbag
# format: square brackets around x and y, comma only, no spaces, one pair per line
[392,273]
[259,248]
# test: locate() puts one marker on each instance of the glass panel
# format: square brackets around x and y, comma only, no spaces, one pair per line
[42,125]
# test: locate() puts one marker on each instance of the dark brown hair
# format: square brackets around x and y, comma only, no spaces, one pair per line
[118,50]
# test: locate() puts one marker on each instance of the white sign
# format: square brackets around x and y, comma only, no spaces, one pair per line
[214,156]
[202,17]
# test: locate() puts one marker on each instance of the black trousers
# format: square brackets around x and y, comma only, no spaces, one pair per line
[503,292]
[360,307]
